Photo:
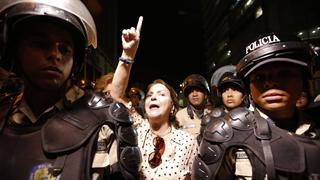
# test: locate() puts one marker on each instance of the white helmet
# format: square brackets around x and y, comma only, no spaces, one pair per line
[71,12]
[55,8]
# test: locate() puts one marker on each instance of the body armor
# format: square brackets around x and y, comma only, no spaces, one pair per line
[63,147]
[206,119]
[271,150]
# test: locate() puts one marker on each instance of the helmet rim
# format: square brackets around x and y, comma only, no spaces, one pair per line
[73,7]
[296,52]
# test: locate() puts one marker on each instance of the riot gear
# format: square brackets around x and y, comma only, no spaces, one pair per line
[215,79]
[216,76]
[195,80]
[272,48]
[67,138]
[73,14]
[136,96]
[62,141]
[136,91]
[230,79]
[272,150]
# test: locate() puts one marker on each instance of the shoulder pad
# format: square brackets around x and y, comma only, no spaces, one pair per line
[130,162]
[200,170]
[128,135]
[210,153]
[218,130]
[98,100]
[120,114]
[241,118]
[69,129]
[206,119]
[217,112]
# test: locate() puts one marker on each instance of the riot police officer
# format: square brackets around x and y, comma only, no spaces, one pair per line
[276,142]
[136,97]
[214,82]
[232,91]
[53,129]
[196,90]
[229,90]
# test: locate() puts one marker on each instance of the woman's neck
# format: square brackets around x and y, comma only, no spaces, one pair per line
[160,129]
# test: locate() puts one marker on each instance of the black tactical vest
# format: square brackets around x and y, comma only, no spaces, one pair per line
[268,147]
[63,147]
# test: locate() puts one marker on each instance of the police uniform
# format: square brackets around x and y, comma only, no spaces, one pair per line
[248,145]
[233,147]
[76,133]
[189,118]
[58,144]
[191,125]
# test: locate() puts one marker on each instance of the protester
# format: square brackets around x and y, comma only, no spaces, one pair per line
[277,144]
[167,152]
[53,129]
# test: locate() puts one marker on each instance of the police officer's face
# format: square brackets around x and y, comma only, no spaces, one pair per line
[196,96]
[45,53]
[232,97]
[275,87]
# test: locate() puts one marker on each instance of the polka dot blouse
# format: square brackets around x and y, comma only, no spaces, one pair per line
[178,156]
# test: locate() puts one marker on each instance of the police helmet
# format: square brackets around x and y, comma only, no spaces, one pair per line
[195,80]
[72,13]
[274,48]
[136,91]
[217,75]
[230,79]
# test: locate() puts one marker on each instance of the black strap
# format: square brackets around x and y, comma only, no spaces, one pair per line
[58,165]
[110,143]
[268,158]
[190,112]
[263,132]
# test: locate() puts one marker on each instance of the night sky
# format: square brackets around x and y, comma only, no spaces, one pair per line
[171,45]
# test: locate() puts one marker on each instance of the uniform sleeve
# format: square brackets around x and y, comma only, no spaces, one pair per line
[106,153]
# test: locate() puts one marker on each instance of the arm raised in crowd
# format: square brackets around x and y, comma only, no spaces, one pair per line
[130,43]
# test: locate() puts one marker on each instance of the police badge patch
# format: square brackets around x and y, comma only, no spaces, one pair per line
[41,172]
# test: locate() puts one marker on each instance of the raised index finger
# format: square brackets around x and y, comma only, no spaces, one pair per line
[139,25]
